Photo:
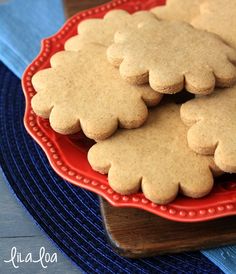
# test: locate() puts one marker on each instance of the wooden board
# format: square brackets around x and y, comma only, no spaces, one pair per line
[135,233]
[73,6]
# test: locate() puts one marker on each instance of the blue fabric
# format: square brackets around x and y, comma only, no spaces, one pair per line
[23,23]
[224,258]
[69,215]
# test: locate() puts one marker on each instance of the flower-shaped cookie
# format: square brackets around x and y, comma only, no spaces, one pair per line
[81,90]
[101,31]
[171,55]
[155,157]
[180,10]
[213,126]
[219,17]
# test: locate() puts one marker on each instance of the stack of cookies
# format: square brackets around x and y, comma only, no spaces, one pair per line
[116,81]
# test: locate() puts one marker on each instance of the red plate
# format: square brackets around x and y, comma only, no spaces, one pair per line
[67,154]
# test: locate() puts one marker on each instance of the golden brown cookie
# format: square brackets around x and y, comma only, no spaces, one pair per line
[101,31]
[155,157]
[171,55]
[219,17]
[180,10]
[81,90]
[212,121]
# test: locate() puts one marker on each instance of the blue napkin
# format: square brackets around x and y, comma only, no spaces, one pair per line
[23,23]
[224,258]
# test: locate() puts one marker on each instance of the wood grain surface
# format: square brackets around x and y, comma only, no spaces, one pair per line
[17,229]
[73,6]
[135,233]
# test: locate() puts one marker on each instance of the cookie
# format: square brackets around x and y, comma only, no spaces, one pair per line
[171,55]
[219,17]
[179,10]
[101,31]
[155,157]
[82,91]
[213,127]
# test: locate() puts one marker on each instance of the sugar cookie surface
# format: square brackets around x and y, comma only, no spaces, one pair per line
[171,55]
[219,17]
[212,121]
[180,10]
[82,90]
[155,157]
[101,31]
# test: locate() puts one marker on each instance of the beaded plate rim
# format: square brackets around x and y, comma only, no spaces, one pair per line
[51,45]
